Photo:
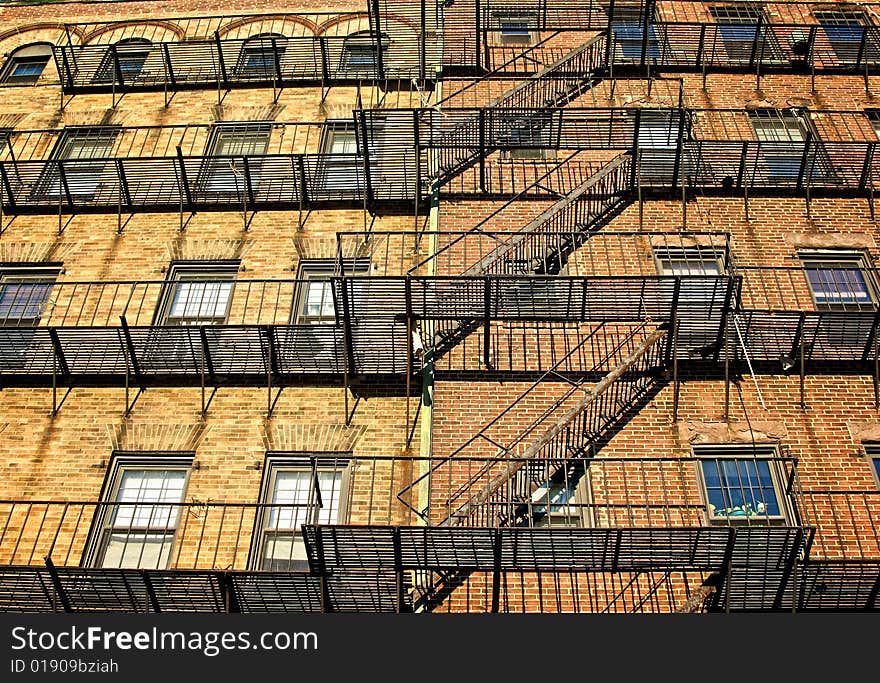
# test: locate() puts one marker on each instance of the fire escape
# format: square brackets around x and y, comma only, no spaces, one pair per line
[476,511]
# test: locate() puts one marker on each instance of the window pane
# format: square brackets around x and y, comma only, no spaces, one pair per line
[629,36]
[200,301]
[137,550]
[284,552]
[695,266]
[830,285]
[319,301]
[22,301]
[148,486]
[291,498]
[740,488]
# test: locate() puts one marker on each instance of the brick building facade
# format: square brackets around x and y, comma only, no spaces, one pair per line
[472,306]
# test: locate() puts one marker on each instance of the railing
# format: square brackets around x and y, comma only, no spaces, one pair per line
[251,327]
[847,523]
[675,147]
[619,493]
[600,352]
[553,86]
[123,142]
[694,46]
[826,285]
[568,225]
[203,183]
[601,253]
[277,49]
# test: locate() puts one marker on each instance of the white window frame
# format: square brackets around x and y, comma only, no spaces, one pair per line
[871,450]
[827,259]
[235,139]
[321,270]
[27,274]
[261,45]
[129,51]
[341,170]
[163,518]
[35,53]
[360,52]
[516,27]
[746,453]
[697,256]
[269,520]
[184,272]
[79,145]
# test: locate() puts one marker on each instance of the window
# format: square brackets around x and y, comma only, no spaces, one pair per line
[359,51]
[84,153]
[741,483]
[26,64]
[261,55]
[628,29]
[560,502]
[689,261]
[516,28]
[742,40]
[782,141]
[527,137]
[224,172]
[343,166]
[313,300]
[658,143]
[137,522]
[298,489]
[845,30]
[197,293]
[126,57]
[872,451]
[839,279]
[874,117]
[24,292]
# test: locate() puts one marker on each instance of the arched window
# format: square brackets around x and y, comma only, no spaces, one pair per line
[128,61]
[260,55]
[359,51]
[26,63]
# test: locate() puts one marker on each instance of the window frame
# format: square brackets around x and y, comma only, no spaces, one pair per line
[127,51]
[516,27]
[630,22]
[95,551]
[15,59]
[840,21]
[321,269]
[744,17]
[340,171]
[49,186]
[298,461]
[576,507]
[219,173]
[535,132]
[871,450]
[861,263]
[783,152]
[747,452]
[664,256]
[357,45]
[206,269]
[261,45]
[27,273]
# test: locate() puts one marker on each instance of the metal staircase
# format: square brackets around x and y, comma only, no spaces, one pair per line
[544,245]
[629,363]
[518,116]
